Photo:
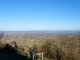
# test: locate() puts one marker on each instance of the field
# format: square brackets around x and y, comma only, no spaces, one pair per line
[55,46]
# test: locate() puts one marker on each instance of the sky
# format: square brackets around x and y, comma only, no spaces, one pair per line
[29,15]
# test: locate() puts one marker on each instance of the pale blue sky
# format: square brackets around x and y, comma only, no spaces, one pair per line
[27,15]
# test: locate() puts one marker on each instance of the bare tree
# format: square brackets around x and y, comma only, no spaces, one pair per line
[1,34]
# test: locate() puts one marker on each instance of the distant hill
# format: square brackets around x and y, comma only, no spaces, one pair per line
[40,32]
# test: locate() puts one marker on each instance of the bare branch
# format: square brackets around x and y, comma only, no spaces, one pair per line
[1,34]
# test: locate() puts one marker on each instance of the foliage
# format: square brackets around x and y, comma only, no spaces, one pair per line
[54,47]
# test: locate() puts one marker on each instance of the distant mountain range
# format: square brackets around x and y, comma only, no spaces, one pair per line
[35,32]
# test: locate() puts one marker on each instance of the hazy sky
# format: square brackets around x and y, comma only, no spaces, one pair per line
[25,15]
